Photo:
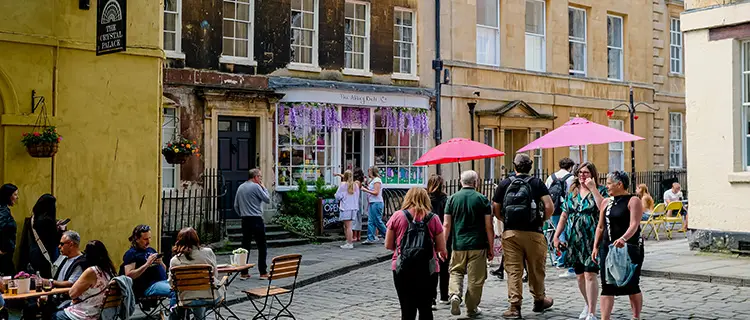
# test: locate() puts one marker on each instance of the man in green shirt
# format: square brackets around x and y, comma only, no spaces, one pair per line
[468,217]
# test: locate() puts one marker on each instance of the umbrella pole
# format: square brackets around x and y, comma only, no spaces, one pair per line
[459,168]
[580,154]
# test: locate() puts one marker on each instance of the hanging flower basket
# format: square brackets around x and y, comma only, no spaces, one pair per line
[42,144]
[179,150]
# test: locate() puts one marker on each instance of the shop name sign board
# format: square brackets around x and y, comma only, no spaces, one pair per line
[110,26]
[363,99]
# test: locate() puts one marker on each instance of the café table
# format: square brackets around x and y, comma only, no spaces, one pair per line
[233,271]
[34,294]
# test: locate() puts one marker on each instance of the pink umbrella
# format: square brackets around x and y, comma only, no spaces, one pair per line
[457,150]
[579,132]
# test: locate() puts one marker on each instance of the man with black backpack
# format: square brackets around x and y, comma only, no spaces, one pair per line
[559,184]
[523,203]
[468,223]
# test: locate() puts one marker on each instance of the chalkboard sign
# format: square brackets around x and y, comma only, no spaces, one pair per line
[331,214]
[110,26]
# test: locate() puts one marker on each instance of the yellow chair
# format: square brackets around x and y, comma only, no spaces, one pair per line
[675,208]
[655,220]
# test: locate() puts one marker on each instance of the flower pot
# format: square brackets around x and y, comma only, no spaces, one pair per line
[176,158]
[239,259]
[24,285]
[42,150]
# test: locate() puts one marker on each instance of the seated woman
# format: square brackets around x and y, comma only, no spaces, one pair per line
[646,200]
[88,292]
[188,251]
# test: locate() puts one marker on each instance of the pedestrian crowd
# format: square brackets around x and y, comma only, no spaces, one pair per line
[441,245]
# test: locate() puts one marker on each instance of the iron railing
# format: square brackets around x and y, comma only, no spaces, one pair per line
[197,206]
[657,182]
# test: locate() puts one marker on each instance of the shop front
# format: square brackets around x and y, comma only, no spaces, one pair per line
[322,130]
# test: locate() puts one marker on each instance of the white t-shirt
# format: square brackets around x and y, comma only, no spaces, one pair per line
[670,196]
[561,174]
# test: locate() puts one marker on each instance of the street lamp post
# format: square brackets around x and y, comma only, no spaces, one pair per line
[437,65]
[631,107]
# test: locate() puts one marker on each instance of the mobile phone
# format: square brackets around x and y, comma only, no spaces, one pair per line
[159,256]
[64,222]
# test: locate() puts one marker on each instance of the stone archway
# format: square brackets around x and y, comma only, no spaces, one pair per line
[8,97]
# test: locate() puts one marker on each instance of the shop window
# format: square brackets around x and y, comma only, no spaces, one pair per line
[304,150]
[396,150]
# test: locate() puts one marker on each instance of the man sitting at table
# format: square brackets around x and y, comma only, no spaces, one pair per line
[675,195]
[66,270]
[144,266]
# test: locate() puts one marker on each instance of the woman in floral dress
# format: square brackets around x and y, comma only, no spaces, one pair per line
[580,216]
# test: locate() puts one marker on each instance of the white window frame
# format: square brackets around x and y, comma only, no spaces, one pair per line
[675,47]
[494,60]
[177,52]
[366,65]
[413,74]
[330,154]
[489,163]
[577,40]
[621,48]
[314,64]
[745,99]
[617,146]
[250,59]
[676,140]
[543,36]
[538,154]
[173,128]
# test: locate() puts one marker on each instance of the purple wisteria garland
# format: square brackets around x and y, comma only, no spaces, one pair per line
[351,116]
[415,121]
[309,115]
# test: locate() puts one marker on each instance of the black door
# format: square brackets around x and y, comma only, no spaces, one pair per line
[237,155]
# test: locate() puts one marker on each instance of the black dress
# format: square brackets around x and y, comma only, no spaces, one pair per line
[616,223]
[7,241]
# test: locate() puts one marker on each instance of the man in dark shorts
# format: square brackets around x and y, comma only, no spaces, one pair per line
[518,202]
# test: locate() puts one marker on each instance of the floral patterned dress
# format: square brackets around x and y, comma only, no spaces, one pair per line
[583,217]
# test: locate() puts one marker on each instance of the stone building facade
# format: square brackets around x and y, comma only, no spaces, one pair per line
[529,66]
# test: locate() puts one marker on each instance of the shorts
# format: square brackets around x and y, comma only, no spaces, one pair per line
[580,268]
[347,215]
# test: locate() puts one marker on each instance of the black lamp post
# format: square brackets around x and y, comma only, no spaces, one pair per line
[437,65]
[472,105]
[631,107]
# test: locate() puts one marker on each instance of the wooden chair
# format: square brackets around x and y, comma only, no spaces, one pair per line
[112,299]
[676,207]
[655,220]
[197,282]
[285,266]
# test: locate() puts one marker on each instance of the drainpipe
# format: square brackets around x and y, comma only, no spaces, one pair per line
[472,105]
[437,65]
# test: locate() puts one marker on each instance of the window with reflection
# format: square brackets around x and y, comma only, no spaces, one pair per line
[396,151]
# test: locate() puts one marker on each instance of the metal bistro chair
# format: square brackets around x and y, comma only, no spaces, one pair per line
[655,220]
[676,208]
[153,306]
[285,266]
[112,300]
[198,281]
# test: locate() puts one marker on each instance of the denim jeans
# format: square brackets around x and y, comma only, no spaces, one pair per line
[560,261]
[375,221]
[159,289]
[60,315]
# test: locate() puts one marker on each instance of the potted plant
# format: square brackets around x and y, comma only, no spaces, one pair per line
[42,144]
[23,280]
[179,150]
[239,257]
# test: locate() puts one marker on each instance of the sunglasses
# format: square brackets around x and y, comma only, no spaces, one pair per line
[143,228]
[62,243]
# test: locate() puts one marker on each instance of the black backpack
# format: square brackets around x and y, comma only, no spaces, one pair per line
[558,191]
[416,250]
[519,207]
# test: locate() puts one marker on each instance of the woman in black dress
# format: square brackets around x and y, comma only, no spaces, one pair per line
[438,198]
[8,198]
[620,224]
[40,255]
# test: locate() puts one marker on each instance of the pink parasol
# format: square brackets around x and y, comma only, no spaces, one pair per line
[579,132]
[457,150]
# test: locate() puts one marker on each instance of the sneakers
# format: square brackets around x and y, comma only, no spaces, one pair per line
[568,274]
[585,313]
[591,316]
[513,312]
[455,305]
[347,246]
[434,305]
[443,302]
[542,305]
[525,278]
[474,313]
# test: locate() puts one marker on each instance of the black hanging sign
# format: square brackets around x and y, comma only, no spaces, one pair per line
[110,26]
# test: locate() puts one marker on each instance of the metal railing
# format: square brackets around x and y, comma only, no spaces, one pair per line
[197,206]
[657,182]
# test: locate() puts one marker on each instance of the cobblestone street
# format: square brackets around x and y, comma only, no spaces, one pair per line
[368,293]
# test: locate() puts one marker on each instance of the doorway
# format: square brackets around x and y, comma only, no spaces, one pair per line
[514,139]
[238,153]
[352,156]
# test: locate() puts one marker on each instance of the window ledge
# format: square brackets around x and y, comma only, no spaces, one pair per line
[357,72]
[739,177]
[238,60]
[404,76]
[677,75]
[303,67]
[615,80]
[174,55]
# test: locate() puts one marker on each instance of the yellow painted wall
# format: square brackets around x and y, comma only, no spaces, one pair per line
[108,108]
